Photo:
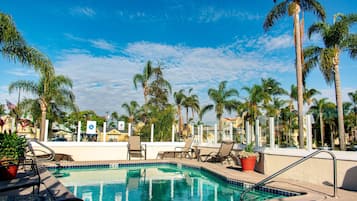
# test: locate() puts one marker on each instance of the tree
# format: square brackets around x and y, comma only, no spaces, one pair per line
[14,47]
[50,90]
[144,79]
[132,109]
[179,98]
[336,38]
[222,101]
[318,108]
[256,96]
[159,90]
[293,8]
[353,97]
[191,101]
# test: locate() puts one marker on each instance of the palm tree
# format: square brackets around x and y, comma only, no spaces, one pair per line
[144,78]
[132,108]
[330,117]
[191,101]
[49,91]
[318,108]
[272,87]
[353,97]
[336,38]
[293,8]
[179,98]
[222,101]
[309,94]
[256,96]
[14,47]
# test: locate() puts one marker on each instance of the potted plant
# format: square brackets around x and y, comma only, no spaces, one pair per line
[12,150]
[248,157]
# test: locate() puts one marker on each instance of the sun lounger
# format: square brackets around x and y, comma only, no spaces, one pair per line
[223,153]
[179,151]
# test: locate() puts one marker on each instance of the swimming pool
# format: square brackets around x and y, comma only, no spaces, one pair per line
[156,182]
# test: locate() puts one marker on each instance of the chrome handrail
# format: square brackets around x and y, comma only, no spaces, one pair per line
[51,155]
[262,182]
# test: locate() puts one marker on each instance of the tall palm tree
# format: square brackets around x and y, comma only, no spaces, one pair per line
[293,8]
[222,99]
[336,38]
[144,78]
[318,108]
[50,90]
[179,98]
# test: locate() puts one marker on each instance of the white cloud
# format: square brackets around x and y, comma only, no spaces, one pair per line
[97,43]
[102,44]
[84,11]
[270,43]
[212,14]
[105,83]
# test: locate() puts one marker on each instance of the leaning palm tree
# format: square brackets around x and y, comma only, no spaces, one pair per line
[14,47]
[336,38]
[293,8]
[222,99]
[49,90]
[144,78]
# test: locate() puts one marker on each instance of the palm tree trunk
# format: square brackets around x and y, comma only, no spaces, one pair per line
[43,106]
[341,128]
[322,129]
[299,76]
[43,125]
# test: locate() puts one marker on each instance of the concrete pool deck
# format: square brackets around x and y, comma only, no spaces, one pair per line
[52,189]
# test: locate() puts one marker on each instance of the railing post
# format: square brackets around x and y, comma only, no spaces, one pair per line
[152,133]
[79,131]
[129,129]
[257,134]
[272,132]
[104,131]
[247,133]
[215,133]
[231,131]
[173,133]
[201,133]
[46,131]
[308,132]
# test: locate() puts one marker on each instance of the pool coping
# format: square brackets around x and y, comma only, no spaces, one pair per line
[229,173]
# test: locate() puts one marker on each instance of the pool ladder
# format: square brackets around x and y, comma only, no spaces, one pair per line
[262,182]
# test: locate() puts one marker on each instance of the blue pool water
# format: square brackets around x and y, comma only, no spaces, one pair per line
[159,182]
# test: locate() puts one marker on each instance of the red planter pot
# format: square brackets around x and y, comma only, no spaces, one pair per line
[248,164]
[8,172]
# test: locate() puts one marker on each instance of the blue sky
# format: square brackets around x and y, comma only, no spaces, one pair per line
[101,45]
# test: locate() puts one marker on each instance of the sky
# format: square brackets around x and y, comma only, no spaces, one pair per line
[101,45]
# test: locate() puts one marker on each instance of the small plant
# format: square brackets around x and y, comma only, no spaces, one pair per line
[248,152]
[12,148]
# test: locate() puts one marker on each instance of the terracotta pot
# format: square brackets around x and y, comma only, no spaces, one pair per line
[248,164]
[8,172]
